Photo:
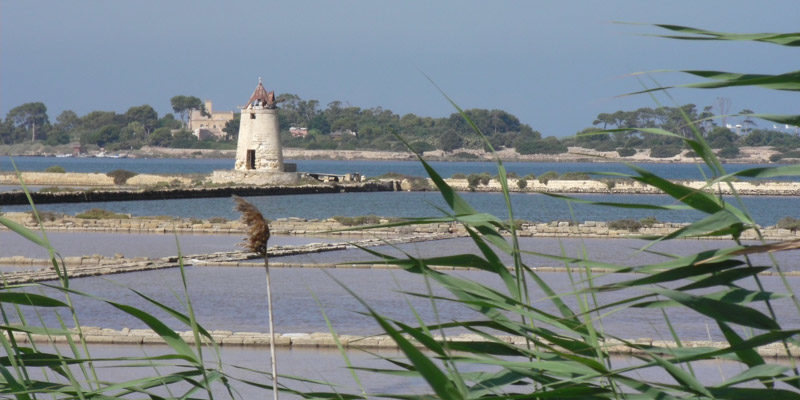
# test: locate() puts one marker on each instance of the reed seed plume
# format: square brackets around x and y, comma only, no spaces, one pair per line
[257,226]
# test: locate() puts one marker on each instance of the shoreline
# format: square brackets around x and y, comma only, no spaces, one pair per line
[750,155]
[73,184]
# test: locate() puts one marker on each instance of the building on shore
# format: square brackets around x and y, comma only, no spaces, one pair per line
[209,125]
[259,155]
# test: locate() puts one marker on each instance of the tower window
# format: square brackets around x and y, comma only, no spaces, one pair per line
[252,116]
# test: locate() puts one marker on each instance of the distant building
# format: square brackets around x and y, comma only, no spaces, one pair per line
[339,134]
[259,146]
[298,132]
[209,127]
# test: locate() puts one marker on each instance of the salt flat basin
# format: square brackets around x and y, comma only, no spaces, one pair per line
[134,244]
[615,251]
[327,365]
[235,299]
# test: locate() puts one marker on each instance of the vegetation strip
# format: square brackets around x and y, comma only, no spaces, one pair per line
[95,335]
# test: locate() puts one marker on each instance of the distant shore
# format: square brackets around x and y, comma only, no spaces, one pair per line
[753,155]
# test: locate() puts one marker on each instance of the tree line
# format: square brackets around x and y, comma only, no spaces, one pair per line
[340,126]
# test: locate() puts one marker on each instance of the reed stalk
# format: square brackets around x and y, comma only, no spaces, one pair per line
[256,241]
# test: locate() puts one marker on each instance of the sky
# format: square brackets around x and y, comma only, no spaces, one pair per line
[553,64]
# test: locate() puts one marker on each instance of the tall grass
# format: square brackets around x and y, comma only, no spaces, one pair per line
[561,348]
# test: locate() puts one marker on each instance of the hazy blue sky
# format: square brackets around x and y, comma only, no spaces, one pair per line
[555,65]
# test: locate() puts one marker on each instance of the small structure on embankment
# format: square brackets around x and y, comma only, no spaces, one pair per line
[259,155]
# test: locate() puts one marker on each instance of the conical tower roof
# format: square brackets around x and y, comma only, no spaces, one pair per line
[261,97]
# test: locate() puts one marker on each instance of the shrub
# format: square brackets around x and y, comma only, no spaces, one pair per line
[665,151]
[458,175]
[790,223]
[217,220]
[610,183]
[485,178]
[121,176]
[648,222]
[626,151]
[99,213]
[628,224]
[575,176]
[729,152]
[547,176]
[522,183]
[529,177]
[357,221]
[45,216]
[473,180]
[466,156]
[56,169]
[776,157]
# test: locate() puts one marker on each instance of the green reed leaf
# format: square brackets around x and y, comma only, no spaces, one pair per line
[783,39]
[721,310]
[30,299]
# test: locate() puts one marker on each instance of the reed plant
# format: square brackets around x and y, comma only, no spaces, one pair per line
[559,347]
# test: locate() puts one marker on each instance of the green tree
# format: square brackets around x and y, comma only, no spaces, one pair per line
[231,128]
[747,123]
[29,117]
[145,115]
[184,105]
[450,141]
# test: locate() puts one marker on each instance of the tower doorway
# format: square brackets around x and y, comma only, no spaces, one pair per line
[250,163]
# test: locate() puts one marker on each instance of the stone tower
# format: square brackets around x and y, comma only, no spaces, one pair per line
[259,156]
[259,147]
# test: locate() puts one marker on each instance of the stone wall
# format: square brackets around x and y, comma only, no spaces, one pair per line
[330,227]
[774,188]
[226,338]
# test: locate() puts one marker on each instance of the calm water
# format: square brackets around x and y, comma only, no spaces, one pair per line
[366,168]
[235,299]
[533,207]
[328,366]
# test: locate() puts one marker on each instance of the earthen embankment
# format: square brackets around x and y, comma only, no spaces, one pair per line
[85,196]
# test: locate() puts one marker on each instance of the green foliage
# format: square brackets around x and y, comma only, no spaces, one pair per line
[626,151]
[665,151]
[626,224]
[729,151]
[184,105]
[458,175]
[648,222]
[790,223]
[522,183]
[45,216]
[547,176]
[465,156]
[358,221]
[99,213]
[121,176]
[574,176]
[473,180]
[450,141]
[56,169]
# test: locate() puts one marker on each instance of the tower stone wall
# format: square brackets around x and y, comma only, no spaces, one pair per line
[259,155]
[259,147]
